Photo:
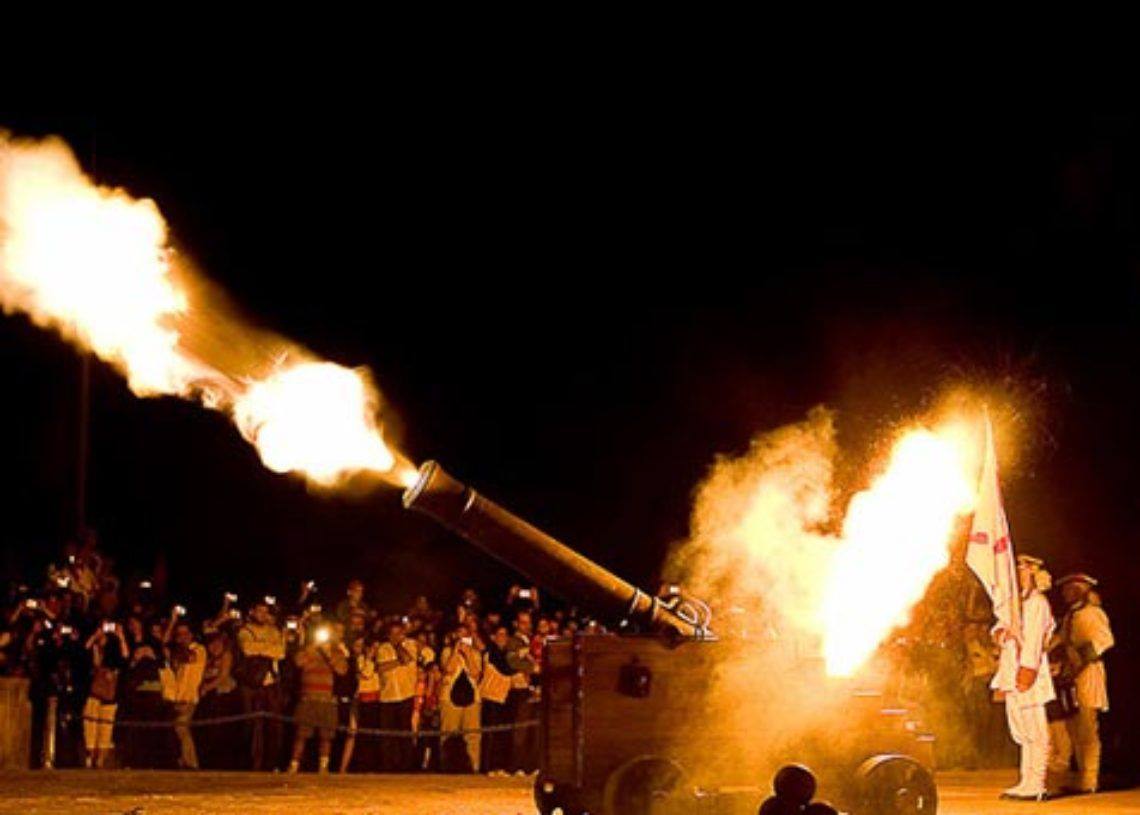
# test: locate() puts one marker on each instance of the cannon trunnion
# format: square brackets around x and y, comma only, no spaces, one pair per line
[626,722]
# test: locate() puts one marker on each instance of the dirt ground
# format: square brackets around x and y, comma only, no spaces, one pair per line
[163,793]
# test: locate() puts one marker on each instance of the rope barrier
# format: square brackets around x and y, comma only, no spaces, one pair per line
[340,728]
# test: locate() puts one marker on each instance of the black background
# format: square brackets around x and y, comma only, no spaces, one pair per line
[574,298]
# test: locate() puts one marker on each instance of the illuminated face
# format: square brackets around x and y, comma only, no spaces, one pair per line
[524,623]
[356,591]
[183,636]
[500,638]
[396,634]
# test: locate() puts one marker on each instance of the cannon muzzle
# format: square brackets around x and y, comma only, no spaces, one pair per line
[538,556]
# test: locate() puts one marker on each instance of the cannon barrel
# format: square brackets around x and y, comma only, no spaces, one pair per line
[535,554]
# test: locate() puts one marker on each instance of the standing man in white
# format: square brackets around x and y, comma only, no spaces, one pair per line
[1023,679]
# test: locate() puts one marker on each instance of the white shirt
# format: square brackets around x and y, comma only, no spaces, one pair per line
[399,683]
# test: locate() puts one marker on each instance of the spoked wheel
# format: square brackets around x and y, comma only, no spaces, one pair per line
[553,798]
[645,785]
[895,785]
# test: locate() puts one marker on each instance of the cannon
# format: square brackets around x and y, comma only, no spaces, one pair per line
[626,721]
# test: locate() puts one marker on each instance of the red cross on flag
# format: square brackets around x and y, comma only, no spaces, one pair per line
[989,553]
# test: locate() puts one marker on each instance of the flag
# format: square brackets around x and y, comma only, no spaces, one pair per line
[989,553]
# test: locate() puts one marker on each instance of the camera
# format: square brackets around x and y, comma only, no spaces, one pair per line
[311,585]
[144,584]
[180,611]
[270,600]
[235,614]
[291,625]
[65,630]
[231,597]
[315,608]
[467,640]
[71,559]
[63,582]
[524,594]
[32,602]
[108,627]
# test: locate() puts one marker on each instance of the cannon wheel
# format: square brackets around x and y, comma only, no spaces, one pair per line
[642,786]
[895,785]
[553,798]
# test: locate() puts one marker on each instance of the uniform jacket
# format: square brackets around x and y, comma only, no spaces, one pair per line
[1036,629]
[1085,629]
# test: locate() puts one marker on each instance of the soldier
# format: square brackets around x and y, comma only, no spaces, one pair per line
[1027,686]
[1083,638]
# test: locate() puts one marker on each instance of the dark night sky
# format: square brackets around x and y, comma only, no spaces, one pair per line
[574,301]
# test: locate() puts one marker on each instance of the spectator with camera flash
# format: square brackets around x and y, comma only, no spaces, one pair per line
[261,645]
[108,647]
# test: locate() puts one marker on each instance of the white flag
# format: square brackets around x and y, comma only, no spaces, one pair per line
[989,553]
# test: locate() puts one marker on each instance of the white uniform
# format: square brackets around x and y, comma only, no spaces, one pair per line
[1085,630]
[1025,711]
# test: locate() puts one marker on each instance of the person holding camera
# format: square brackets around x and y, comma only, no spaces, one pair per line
[261,645]
[186,661]
[524,667]
[459,703]
[398,662]
[109,654]
[320,662]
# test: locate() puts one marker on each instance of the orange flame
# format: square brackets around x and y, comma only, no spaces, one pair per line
[96,265]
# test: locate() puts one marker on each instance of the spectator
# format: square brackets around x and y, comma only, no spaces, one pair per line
[362,753]
[262,647]
[398,662]
[352,612]
[186,660]
[143,702]
[319,662]
[494,690]
[218,697]
[109,654]
[459,698]
[520,657]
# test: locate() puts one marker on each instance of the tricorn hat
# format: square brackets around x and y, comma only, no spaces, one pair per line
[1078,577]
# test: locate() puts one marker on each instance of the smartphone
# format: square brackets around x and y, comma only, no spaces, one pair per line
[180,611]
[291,625]
[108,628]
[270,600]
[524,594]
[235,614]
[32,602]
[145,584]
[467,640]
[231,597]
[311,585]
[65,630]
[315,608]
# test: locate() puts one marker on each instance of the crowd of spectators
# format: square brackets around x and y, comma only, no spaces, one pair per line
[104,657]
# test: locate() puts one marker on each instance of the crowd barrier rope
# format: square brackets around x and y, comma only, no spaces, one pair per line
[340,728]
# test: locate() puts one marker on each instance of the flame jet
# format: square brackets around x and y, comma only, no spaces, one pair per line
[97,266]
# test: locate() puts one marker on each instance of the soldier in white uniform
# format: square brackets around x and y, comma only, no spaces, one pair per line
[1024,682]
[1084,636]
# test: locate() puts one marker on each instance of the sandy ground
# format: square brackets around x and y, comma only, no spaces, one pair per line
[163,793]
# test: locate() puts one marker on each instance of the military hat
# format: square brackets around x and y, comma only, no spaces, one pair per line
[1078,577]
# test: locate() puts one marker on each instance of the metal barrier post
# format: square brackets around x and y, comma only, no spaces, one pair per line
[50,717]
